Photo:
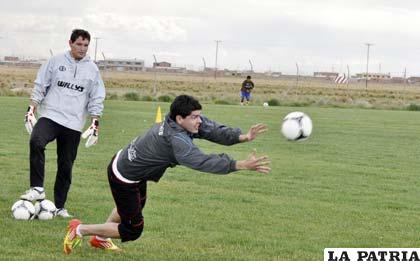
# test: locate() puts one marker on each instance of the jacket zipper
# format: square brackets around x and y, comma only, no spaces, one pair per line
[75,71]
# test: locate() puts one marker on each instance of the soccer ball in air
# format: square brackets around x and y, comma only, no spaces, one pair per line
[23,210]
[265,104]
[45,209]
[296,126]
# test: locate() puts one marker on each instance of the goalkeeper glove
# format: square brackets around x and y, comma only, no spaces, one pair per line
[30,119]
[91,134]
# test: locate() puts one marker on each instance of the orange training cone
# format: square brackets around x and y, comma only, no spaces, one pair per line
[158,116]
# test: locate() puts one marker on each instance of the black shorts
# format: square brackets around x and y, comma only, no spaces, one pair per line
[130,199]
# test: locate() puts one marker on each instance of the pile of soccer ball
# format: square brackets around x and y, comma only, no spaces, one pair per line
[26,210]
[296,126]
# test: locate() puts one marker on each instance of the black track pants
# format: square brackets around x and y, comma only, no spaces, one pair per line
[45,131]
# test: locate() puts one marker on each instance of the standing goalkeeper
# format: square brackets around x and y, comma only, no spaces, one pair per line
[67,89]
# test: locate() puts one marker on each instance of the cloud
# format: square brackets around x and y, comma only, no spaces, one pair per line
[354,16]
[151,28]
[271,33]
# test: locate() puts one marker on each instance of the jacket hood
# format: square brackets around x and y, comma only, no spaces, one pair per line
[72,60]
[173,124]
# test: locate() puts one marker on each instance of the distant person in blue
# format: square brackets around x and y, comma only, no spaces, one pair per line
[246,89]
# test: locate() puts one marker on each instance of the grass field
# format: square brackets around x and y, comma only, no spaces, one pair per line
[354,183]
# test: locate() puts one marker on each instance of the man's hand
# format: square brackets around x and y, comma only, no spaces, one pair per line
[259,164]
[91,134]
[30,119]
[253,132]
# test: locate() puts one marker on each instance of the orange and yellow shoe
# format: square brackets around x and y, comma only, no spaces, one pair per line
[71,240]
[106,244]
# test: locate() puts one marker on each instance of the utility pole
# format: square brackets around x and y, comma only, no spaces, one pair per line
[297,78]
[367,63]
[204,63]
[217,50]
[155,77]
[103,55]
[96,45]
[252,67]
[348,76]
[204,71]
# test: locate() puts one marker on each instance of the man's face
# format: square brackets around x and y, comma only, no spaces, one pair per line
[79,48]
[191,123]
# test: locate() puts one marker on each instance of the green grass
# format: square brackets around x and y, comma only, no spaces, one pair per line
[354,183]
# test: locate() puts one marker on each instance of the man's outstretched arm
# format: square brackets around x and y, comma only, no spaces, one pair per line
[259,164]
[253,132]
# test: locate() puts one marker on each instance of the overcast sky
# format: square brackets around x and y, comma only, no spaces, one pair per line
[273,34]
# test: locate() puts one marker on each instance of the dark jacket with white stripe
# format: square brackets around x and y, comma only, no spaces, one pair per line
[167,144]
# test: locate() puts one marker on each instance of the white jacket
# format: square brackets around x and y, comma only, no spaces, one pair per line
[67,91]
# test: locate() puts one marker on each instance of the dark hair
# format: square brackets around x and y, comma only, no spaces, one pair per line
[248,77]
[79,33]
[183,105]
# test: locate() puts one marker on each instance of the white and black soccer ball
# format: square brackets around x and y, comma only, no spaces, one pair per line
[45,209]
[296,126]
[23,210]
[265,104]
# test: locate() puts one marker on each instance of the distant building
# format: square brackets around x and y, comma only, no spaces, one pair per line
[329,75]
[273,74]
[166,67]
[398,80]
[121,65]
[227,72]
[374,76]
[161,64]
[413,79]
[11,58]
[210,71]
[15,61]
